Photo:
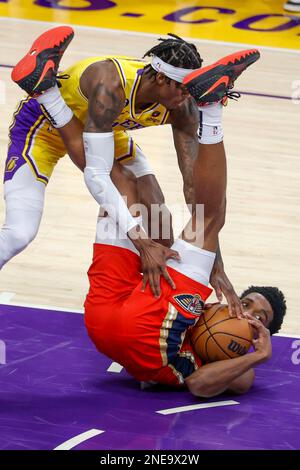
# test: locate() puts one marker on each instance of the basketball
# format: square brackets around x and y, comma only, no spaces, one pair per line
[217,336]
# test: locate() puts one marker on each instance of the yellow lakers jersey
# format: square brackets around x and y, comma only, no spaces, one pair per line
[130,72]
[43,146]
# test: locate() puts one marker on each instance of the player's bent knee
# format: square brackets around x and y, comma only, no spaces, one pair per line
[194,386]
[17,239]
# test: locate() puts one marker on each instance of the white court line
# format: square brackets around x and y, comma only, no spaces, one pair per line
[153,35]
[74,441]
[201,406]
[115,367]
[44,307]
[286,335]
[5,297]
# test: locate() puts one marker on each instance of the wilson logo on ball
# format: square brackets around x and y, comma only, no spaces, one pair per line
[236,348]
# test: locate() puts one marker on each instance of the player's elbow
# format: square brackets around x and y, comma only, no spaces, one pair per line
[239,389]
[199,387]
[242,384]
[96,182]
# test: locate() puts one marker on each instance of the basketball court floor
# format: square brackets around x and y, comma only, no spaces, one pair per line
[56,390]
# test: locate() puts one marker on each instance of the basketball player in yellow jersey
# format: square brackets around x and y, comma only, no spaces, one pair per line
[103,97]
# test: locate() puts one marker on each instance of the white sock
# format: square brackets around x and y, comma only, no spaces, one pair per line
[195,263]
[55,107]
[210,126]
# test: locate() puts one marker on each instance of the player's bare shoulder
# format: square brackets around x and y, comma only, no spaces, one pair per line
[101,84]
[185,116]
[103,73]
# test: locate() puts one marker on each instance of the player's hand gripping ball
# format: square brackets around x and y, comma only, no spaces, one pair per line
[217,336]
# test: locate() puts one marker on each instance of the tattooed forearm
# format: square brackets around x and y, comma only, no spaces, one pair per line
[187,150]
[105,106]
[185,122]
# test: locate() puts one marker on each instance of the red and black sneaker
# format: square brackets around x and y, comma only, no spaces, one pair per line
[210,84]
[36,72]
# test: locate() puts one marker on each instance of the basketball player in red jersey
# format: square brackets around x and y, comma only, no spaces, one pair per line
[104,95]
[150,336]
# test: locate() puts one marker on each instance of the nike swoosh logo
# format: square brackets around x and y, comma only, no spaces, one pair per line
[49,65]
[224,80]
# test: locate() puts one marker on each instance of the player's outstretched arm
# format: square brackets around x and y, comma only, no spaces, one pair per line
[106,101]
[232,375]
[210,183]
[210,156]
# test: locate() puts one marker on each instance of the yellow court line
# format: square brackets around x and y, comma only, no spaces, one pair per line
[248,21]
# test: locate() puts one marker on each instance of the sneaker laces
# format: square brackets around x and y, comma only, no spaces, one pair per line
[233,95]
[64,76]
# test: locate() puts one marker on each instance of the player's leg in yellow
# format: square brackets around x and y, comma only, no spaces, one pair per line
[32,154]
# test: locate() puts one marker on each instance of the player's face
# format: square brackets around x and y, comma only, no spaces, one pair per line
[172,94]
[258,307]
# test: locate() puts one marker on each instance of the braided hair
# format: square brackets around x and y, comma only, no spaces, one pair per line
[175,51]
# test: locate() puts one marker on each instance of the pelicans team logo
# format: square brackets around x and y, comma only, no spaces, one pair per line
[11,164]
[190,303]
